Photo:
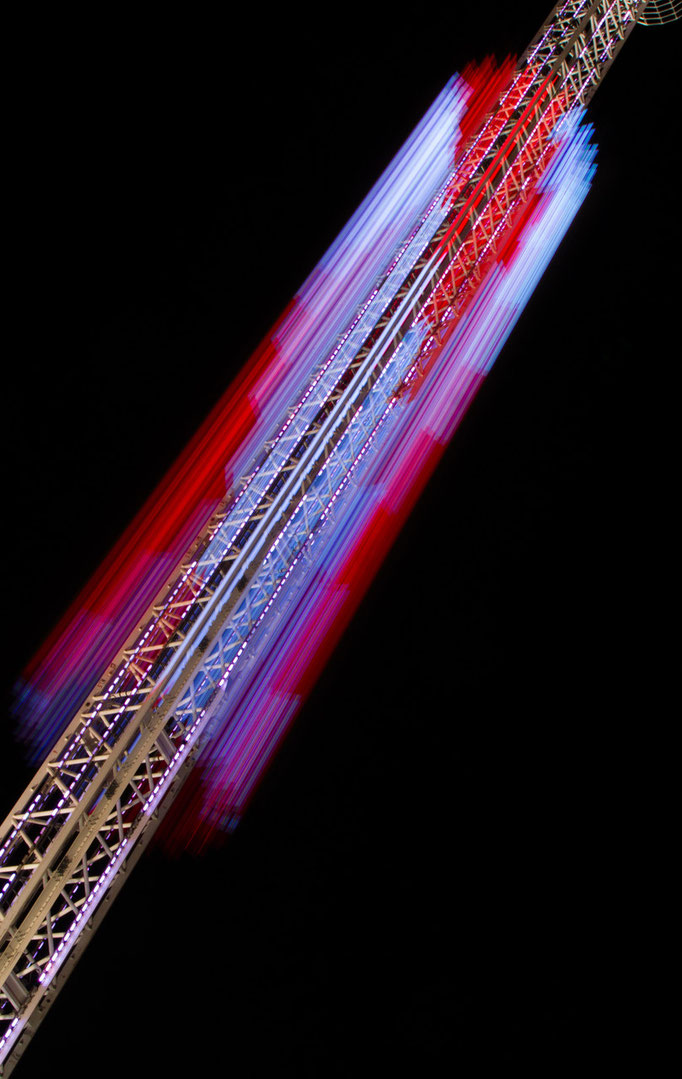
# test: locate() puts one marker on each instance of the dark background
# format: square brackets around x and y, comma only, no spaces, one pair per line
[454,861]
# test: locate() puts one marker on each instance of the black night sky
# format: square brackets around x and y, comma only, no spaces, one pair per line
[448,866]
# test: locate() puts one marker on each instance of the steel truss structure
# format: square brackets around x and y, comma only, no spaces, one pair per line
[91,808]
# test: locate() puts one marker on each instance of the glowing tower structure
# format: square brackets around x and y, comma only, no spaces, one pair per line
[332,447]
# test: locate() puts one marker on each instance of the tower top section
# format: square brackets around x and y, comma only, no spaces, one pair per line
[576,45]
[657,12]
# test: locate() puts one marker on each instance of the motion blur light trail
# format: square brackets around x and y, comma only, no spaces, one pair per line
[205,629]
[411,199]
[324,591]
[207,474]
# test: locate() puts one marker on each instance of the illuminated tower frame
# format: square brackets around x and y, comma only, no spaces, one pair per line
[58,878]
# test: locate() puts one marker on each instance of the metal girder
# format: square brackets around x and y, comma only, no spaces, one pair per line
[95,800]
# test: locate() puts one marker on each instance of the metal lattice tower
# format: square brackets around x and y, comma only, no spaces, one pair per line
[95,802]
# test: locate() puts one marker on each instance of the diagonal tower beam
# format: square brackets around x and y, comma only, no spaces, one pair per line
[94,803]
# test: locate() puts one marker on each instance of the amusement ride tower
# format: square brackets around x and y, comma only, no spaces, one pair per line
[322,449]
